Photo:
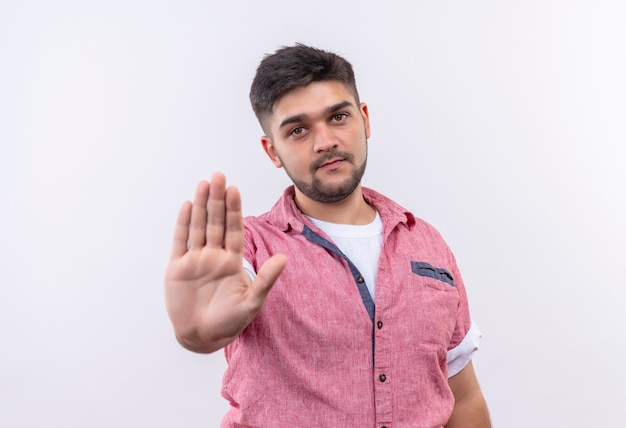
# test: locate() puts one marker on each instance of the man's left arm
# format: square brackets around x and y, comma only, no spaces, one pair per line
[470,408]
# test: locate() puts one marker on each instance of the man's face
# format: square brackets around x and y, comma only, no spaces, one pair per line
[319,135]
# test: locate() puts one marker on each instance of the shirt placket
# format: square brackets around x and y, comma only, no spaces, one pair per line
[381,347]
[383,376]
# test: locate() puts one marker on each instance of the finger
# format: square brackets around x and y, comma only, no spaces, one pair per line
[181,231]
[266,277]
[199,216]
[233,238]
[216,212]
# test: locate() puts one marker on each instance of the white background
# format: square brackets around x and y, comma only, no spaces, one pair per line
[501,123]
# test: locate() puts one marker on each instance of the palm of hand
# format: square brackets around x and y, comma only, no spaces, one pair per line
[210,297]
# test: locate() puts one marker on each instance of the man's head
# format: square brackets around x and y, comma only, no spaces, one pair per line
[291,68]
[315,126]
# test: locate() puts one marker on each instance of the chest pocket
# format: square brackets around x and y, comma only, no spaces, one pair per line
[436,300]
[428,270]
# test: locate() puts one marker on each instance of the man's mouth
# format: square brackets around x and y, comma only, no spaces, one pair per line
[331,163]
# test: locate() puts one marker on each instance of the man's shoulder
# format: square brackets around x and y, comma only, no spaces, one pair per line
[392,211]
[282,217]
[254,221]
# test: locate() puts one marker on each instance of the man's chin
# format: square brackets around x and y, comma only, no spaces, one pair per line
[329,193]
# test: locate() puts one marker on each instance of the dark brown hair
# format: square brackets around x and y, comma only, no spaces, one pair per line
[294,67]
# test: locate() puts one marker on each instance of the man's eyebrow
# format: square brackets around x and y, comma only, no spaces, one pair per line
[303,117]
[293,119]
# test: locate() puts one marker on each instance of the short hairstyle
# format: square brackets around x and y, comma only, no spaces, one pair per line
[293,67]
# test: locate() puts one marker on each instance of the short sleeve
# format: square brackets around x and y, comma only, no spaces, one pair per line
[459,356]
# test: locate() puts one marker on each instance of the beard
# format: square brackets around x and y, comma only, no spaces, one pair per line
[327,193]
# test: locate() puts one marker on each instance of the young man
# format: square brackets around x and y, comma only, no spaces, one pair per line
[367,321]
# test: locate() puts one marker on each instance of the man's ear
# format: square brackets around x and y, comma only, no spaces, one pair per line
[366,119]
[268,146]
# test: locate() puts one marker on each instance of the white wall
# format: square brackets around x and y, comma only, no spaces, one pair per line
[502,123]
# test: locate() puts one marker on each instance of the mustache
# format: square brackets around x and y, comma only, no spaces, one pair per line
[328,156]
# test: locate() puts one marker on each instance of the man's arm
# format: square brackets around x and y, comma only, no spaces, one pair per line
[470,409]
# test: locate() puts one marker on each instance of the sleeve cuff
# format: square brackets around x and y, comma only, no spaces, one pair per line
[247,266]
[459,356]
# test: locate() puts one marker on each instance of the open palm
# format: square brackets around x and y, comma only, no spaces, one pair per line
[209,296]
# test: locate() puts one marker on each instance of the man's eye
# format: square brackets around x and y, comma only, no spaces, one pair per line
[297,131]
[339,117]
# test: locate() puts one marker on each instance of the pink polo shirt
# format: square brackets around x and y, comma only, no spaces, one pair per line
[321,354]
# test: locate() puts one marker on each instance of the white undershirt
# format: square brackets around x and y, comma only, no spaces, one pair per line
[360,243]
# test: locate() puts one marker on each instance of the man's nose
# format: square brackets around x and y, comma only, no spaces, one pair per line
[324,139]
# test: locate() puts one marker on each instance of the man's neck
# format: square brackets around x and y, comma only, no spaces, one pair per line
[351,210]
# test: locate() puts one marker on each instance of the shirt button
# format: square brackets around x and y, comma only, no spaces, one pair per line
[360,280]
[382,377]
[379,324]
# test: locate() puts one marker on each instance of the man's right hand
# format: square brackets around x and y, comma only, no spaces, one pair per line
[210,298]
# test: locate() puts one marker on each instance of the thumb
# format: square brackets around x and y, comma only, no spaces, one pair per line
[267,275]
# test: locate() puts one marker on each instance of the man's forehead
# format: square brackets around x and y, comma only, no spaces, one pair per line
[313,99]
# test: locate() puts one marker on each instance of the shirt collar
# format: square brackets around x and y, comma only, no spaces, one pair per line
[286,215]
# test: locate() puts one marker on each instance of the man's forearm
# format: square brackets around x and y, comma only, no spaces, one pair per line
[471,412]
